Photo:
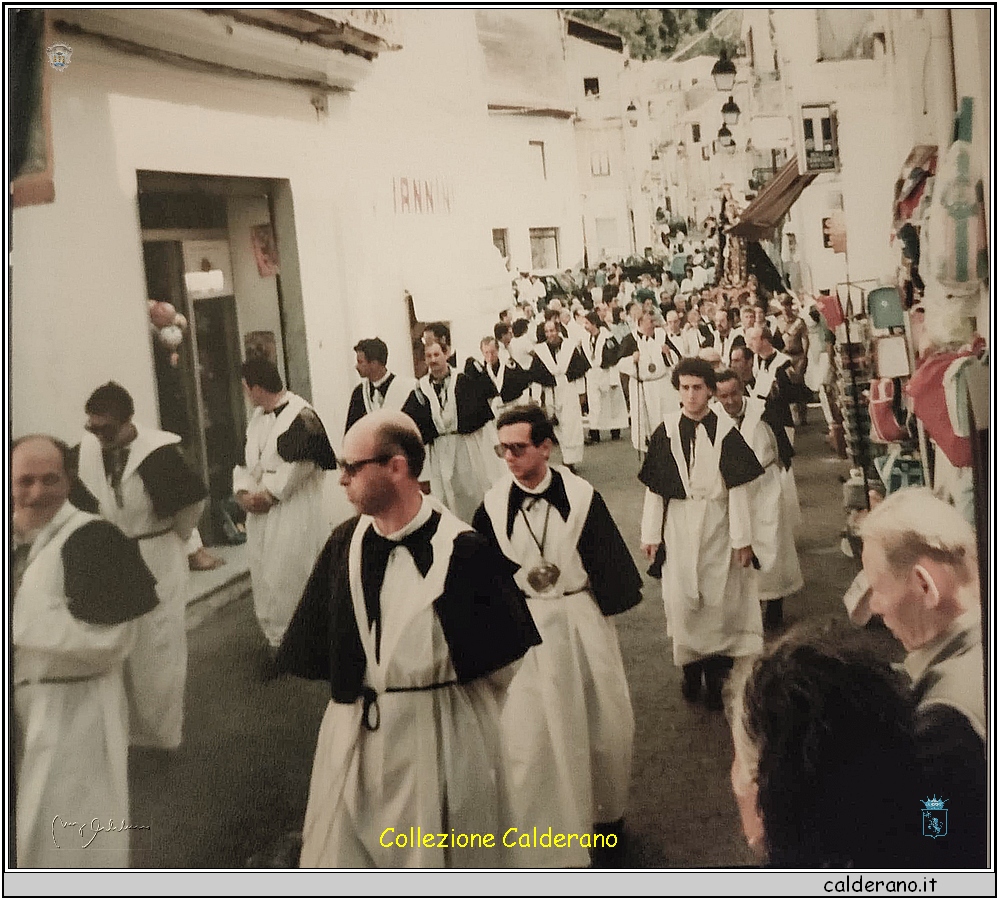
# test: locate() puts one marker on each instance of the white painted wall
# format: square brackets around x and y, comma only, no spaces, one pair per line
[78,297]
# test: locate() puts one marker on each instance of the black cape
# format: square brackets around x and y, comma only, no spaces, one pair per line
[515,381]
[169,481]
[106,580]
[482,612]
[577,368]
[471,396]
[356,408]
[629,345]
[738,464]
[614,579]
[305,439]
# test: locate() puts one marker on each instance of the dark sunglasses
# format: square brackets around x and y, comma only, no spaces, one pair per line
[352,468]
[517,450]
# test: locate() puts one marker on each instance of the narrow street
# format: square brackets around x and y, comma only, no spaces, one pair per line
[240,780]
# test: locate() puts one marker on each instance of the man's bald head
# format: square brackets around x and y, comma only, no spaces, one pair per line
[40,482]
[386,433]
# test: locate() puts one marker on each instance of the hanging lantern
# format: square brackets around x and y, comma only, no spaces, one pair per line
[730,112]
[632,111]
[725,138]
[723,72]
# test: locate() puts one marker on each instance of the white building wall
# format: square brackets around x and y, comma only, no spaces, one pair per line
[78,309]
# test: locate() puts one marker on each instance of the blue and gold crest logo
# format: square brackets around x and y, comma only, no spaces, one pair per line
[59,55]
[934,817]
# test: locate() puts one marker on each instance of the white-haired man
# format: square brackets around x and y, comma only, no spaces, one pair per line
[921,563]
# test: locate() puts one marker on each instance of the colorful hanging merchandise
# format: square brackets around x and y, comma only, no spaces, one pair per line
[946,423]
[956,246]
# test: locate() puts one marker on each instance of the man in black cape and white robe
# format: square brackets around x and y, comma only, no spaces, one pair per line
[139,481]
[557,366]
[507,380]
[568,724]
[280,486]
[418,626]
[78,585]
[379,388]
[697,475]
[456,423]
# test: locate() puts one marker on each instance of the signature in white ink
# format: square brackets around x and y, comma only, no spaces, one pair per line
[88,831]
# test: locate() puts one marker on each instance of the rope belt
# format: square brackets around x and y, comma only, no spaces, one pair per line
[371,715]
[154,534]
[66,679]
[581,590]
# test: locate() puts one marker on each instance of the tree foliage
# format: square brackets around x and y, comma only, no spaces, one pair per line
[650,33]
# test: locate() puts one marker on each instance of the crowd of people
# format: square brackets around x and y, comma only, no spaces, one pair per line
[479,711]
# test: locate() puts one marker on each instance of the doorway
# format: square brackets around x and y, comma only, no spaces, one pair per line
[202,251]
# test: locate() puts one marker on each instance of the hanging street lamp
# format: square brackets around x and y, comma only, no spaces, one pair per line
[725,137]
[632,111]
[730,112]
[723,72]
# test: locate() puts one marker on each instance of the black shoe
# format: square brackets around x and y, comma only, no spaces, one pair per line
[691,686]
[615,434]
[594,436]
[773,615]
[716,670]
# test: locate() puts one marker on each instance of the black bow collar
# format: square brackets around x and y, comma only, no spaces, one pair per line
[555,494]
[375,551]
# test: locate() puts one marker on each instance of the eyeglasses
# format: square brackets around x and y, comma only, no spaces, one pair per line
[352,468]
[517,450]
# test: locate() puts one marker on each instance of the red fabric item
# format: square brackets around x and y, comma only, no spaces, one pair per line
[884,424]
[831,309]
[926,390]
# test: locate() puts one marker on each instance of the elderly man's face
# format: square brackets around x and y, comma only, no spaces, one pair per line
[673,322]
[722,322]
[896,598]
[490,352]
[39,483]
[552,335]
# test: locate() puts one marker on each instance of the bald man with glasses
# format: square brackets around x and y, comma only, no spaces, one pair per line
[418,626]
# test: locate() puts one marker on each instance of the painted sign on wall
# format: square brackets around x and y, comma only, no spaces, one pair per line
[423,196]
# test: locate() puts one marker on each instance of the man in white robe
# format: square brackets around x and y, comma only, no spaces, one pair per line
[509,381]
[558,367]
[567,724]
[379,388]
[77,586]
[456,422]
[604,396]
[280,486]
[140,482]
[773,523]
[417,625]
[697,475]
[648,358]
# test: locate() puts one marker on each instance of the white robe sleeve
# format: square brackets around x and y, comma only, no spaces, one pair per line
[241,480]
[287,478]
[740,527]
[652,518]
[76,647]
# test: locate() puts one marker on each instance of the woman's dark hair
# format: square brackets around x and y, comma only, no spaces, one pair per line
[533,415]
[833,729]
